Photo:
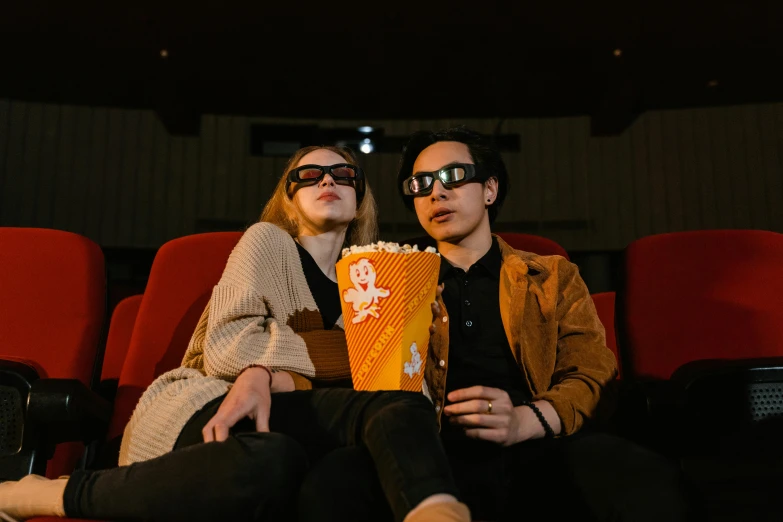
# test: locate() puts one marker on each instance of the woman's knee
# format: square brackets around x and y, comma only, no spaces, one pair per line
[271,459]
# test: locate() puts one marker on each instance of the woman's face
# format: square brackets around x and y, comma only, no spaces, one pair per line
[324,205]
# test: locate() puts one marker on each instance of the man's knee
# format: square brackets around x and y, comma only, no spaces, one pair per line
[397,401]
[322,496]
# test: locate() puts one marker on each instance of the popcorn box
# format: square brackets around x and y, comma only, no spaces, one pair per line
[386,299]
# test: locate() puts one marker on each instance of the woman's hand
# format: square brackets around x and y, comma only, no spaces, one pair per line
[435,308]
[250,396]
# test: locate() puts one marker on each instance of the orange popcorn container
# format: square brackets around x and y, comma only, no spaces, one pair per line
[386,299]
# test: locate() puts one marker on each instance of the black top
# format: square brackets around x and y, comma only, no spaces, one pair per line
[324,290]
[479,353]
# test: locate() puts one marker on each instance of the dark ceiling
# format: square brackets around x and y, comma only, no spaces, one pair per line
[405,59]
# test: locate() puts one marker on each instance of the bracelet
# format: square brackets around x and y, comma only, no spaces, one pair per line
[547,428]
[267,370]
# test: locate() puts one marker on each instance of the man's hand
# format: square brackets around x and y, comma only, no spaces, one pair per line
[470,409]
[506,425]
[250,396]
[435,308]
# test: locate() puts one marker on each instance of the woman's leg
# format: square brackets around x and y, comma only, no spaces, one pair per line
[398,429]
[250,476]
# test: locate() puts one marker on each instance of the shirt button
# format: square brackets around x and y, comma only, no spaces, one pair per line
[437,407]
[466,282]
[445,318]
[442,363]
[468,323]
[467,303]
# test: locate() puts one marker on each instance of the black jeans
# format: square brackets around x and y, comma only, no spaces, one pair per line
[255,476]
[585,477]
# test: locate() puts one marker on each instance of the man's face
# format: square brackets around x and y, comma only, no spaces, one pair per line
[451,215]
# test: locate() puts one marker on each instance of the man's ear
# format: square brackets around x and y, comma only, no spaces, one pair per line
[490,190]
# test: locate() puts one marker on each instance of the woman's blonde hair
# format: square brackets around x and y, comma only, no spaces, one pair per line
[280,210]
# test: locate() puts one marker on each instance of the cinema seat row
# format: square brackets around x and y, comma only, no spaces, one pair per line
[696,325]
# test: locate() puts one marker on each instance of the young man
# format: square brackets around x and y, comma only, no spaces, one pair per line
[518,366]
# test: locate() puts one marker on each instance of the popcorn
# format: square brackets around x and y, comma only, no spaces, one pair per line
[384,246]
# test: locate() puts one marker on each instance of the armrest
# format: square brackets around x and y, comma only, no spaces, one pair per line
[650,413]
[66,410]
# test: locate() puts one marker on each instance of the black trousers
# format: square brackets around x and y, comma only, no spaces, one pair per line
[256,476]
[585,477]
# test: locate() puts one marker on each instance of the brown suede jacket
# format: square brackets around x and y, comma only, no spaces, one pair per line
[554,333]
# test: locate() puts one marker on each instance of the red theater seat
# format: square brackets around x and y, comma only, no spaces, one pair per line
[527,242]
[535,244]
[604,304]
[117,343]
[700,318]
[181,280]
[52,308]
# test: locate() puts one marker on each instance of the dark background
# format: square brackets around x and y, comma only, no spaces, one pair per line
[604,98]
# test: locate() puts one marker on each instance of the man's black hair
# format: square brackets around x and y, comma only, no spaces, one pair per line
[489,163]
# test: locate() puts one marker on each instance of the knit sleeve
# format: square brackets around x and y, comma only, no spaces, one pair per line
[242,328]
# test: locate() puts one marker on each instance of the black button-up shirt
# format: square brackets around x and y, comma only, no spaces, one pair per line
[479,353]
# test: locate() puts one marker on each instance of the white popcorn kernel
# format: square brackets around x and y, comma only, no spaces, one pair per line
[383,246]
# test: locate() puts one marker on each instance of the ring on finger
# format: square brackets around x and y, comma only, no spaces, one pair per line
[489,406]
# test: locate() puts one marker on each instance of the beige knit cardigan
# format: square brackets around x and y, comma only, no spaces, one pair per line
[260,312]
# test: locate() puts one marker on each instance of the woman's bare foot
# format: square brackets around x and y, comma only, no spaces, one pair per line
[33,496]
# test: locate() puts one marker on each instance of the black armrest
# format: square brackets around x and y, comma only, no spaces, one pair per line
[650,413]
[63,410]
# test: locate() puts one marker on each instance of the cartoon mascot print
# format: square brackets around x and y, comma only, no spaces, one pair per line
[364,296]
[413,367]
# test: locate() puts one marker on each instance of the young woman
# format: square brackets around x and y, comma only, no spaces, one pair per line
[264,387]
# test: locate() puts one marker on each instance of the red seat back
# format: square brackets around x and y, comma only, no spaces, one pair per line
[700,295]
[53,306]
[117,343]
[604,304]
[535,244]
[182,277]
[52,300]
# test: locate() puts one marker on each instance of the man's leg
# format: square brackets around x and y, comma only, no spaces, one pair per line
[398,429]
[343,487]
[623,481]
[596,477]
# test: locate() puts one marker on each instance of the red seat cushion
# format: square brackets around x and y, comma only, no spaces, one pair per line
[180,284]
[701,295]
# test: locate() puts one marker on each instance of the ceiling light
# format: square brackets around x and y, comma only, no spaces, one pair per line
[712,83]
[365,129]
[164,53]
[366,146]
[618,52]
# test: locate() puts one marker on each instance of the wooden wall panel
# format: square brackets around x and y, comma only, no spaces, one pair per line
[119,178]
